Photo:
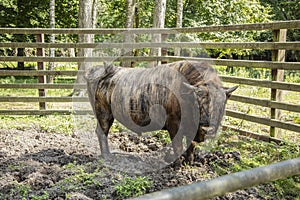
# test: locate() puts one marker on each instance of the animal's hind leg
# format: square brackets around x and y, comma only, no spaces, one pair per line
[102,130]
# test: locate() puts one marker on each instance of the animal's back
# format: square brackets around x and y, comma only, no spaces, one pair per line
[196,73]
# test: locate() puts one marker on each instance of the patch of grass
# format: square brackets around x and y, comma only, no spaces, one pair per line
[44,196]
[254,153]
[162,136]
[59,124]
[81,178]
[21,191]
[132,187]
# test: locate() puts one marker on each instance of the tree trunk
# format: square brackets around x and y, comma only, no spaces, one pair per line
[52,38]
[130,13]
[179,24]
[158,22]
[86,19]
[22,20]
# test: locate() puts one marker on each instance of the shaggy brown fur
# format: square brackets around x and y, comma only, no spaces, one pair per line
[185,98]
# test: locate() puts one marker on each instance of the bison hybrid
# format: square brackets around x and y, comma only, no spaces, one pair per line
[186,98]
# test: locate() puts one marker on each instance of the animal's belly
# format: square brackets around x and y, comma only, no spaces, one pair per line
[140,116]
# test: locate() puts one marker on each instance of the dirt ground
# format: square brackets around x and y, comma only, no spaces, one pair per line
[36,165]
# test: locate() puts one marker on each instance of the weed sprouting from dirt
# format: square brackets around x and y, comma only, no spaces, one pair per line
[132,187]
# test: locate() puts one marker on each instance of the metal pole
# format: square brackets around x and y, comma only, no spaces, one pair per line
[229,183]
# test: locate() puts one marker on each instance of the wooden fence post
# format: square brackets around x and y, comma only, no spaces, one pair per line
[41,66]
[277,74]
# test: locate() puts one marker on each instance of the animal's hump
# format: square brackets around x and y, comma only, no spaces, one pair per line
[196,72]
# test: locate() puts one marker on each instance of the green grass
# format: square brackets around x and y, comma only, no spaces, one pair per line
[132,187]
[81,178]
[52,123]
[254,154]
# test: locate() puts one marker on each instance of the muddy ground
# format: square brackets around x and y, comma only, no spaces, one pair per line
[40,165]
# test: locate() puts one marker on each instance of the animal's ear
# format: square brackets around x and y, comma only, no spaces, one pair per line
[230,90]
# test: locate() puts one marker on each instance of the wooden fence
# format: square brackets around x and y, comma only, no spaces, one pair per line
[276,66]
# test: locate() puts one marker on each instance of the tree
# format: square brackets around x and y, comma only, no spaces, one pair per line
[282,11]
[158,22]
[130,21]
[52,38]
[179,17]
[86,19]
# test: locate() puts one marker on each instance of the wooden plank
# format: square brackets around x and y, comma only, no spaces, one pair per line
[44,99]
[46,112]
[42,86]
[266,103]
[223,62]
[202,45]
[41,66]
[265,121]
[262,83]
[294,24]
[39,72]
[229,79]
[277,74]
[253,135]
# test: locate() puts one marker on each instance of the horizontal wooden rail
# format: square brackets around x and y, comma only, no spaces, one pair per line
[262,83]
[265,121]
[295,24]
[254,101]
[39,72]
[44,99]
[202,45]
[253,135]
[46,112]
[42,86]
[229,79]
[223,62]
[266,103]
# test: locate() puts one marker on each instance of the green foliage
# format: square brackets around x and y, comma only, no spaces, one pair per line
[222,12]
[21,190]
[81,178]
[51,123]
[132,187]
[163,136]
[284,10]
[44,196]
[253,154]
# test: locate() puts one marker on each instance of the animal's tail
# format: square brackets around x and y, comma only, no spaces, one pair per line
[93,76]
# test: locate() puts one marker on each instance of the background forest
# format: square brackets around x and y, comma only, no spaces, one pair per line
[140,14]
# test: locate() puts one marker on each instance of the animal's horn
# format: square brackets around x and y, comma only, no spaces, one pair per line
[189,86]
[230,90]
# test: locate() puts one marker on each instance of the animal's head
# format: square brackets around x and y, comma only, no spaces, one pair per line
[211,99]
